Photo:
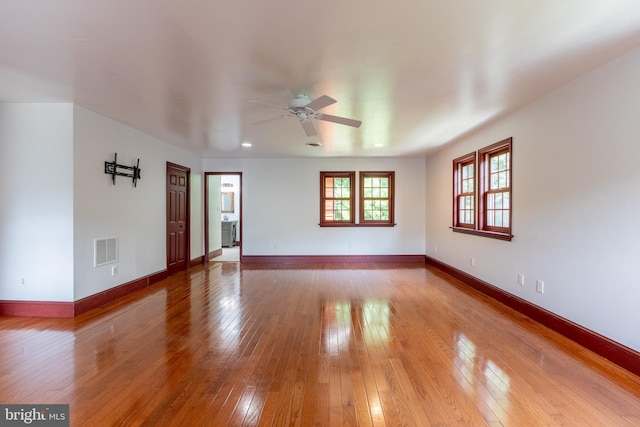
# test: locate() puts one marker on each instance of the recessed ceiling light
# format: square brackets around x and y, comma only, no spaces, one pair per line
[246,144]
[379,144]
[314,144]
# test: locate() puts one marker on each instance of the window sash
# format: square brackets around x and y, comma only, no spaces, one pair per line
[495,188]
[466,210]
[464,200]
[498,210]
[376,197]
[337,198]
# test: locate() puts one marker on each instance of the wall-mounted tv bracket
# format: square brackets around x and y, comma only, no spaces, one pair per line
[112,169]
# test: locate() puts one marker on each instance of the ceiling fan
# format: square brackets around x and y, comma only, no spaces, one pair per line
[304,109]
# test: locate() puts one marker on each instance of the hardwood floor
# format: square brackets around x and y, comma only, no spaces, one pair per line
[319,345]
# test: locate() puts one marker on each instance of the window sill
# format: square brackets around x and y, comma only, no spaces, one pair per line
[356,225]
[489,234]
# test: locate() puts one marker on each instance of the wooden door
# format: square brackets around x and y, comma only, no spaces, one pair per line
[177,218]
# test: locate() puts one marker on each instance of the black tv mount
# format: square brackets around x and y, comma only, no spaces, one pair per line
[111,168]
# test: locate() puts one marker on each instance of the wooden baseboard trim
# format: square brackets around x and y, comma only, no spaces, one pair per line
[322,259]
[71,309]
[196,261]
[617,353]
[101,298]
[36,309]
[215,253]
[156,277]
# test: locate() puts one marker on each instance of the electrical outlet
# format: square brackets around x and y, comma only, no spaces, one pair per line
[540,286]
[521,279]
[114,270]
[23,281]
[472,261]
[435,249]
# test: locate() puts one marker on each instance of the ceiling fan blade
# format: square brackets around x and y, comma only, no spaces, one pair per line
[339,120]
[319,103]
[308,127]
[253,101]
[284,116]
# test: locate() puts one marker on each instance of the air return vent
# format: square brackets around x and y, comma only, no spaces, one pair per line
[105,251]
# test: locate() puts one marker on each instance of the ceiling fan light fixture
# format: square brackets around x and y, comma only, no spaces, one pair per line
[300,101]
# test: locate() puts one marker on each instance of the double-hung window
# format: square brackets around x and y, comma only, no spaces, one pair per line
[482,192]
[495,187]
[337,198]
[464,201]
[375,200]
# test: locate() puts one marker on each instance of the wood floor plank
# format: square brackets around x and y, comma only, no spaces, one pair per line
[226,344]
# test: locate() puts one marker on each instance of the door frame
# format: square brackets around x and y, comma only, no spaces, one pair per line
[187,216]
[206,212]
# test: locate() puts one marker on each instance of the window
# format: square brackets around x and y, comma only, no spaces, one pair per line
[482,196]
[464,201]
[375,201]
[337,198]
[495,187]
[376,198]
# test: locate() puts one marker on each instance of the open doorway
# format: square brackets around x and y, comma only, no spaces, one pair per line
[223,216]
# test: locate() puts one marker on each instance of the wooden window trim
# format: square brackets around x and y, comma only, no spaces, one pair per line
[483,233]
[361,222]
[458,164]
[484,156]
[390,175]
[340,174]
[481,173]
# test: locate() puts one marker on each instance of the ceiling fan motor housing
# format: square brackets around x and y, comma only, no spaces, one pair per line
[299,102]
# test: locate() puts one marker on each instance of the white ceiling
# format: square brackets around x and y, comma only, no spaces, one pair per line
[418,73]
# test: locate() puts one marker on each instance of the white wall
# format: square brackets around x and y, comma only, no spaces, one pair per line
[57,200]
[36,218]
[196,235]
[135,215]
[280,207]
[576,203]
